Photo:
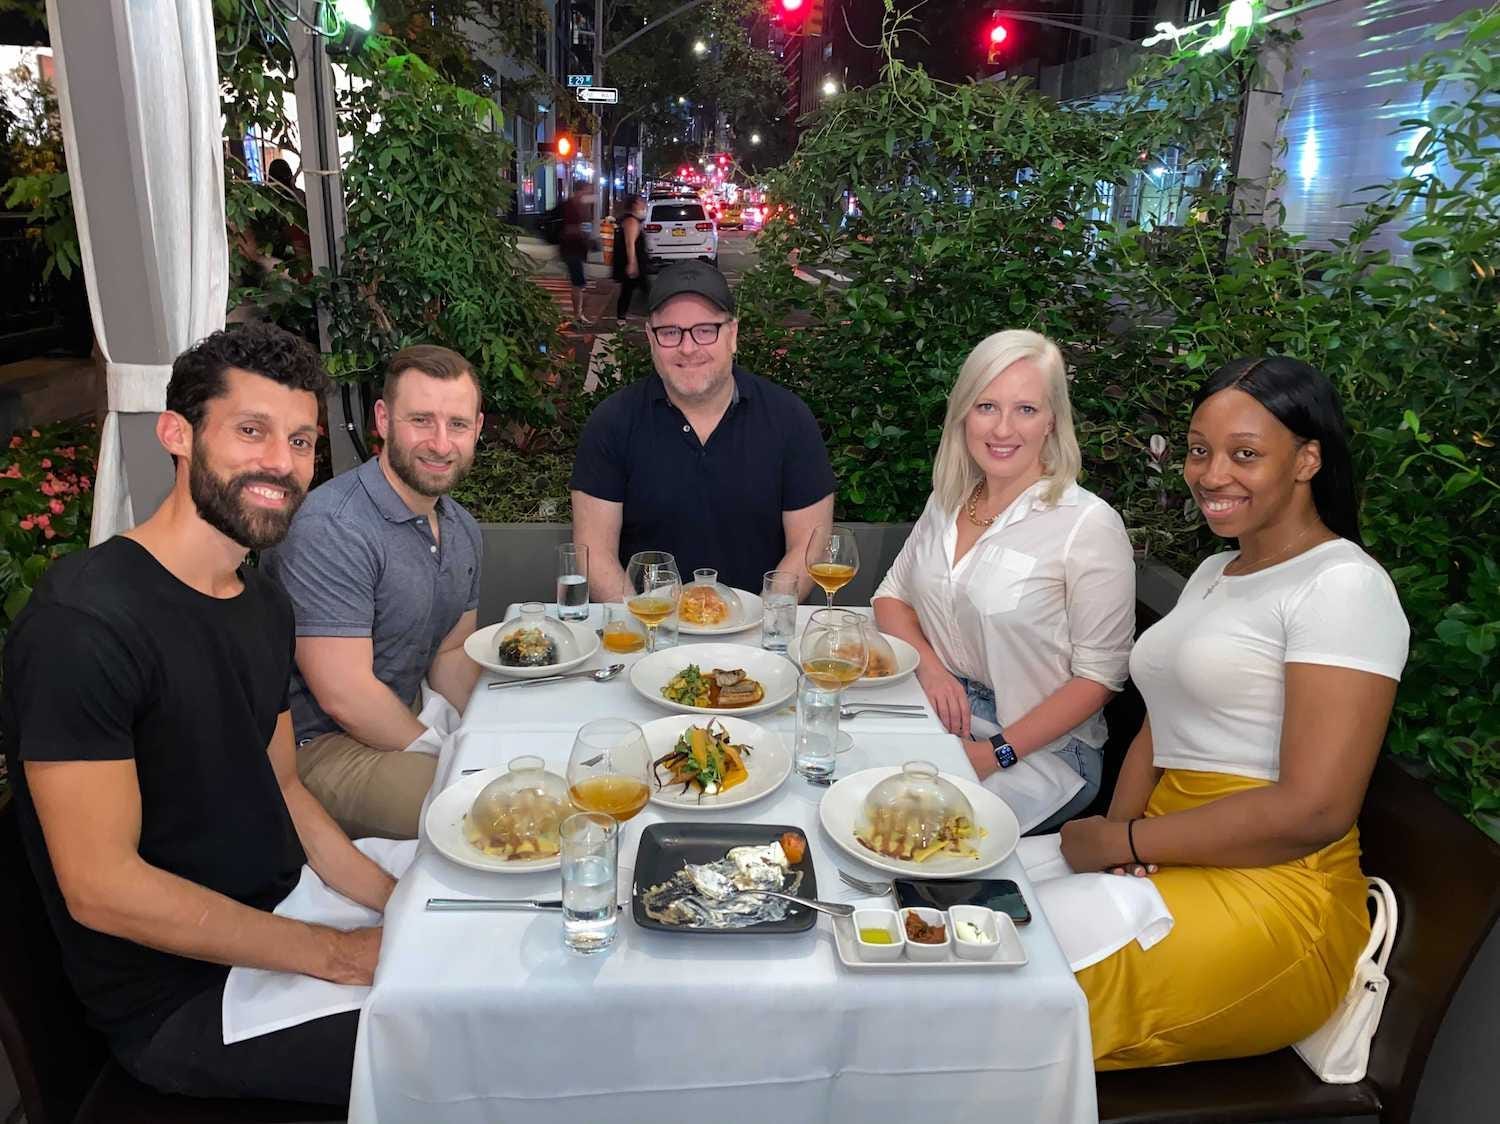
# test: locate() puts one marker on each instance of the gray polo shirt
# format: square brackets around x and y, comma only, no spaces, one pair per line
[359,562]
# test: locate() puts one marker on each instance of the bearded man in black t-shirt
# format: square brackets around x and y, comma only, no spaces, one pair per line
[148,738]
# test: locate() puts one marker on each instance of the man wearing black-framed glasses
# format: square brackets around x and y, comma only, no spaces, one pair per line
[722,468]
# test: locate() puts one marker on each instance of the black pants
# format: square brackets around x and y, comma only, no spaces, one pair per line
[629,286]
[312,1062]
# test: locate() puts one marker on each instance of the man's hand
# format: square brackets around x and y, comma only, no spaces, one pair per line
[351,955]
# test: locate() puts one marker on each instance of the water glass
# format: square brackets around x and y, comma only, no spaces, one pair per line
[573,582]
[590,845]
[778,622]
[817,729]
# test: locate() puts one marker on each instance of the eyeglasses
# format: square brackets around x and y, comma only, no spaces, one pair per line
[669,335]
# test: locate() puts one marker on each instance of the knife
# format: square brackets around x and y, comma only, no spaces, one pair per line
[523,905]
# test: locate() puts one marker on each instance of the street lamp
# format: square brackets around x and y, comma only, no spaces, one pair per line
[754,138]
[830,87]
[700,48]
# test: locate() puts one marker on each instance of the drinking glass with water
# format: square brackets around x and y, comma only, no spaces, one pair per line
[778,622]
[817,729]
[590,846]
[573,581]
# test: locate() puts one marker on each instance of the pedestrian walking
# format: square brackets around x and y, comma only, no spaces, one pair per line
[630,253]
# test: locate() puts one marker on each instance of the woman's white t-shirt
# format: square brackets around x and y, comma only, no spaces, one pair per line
[1212,671]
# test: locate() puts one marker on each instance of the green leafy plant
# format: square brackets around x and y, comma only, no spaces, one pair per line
[46,502]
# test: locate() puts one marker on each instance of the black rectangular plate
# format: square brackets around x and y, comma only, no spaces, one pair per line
[665,847]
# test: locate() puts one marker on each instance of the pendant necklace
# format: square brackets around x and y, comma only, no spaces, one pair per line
[1261,565]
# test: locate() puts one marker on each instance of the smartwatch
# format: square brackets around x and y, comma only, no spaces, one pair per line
[1005,756]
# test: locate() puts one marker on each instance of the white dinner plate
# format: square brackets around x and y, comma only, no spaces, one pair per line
[444,824]
[775,673]
[844,803]
[906,666]
[742,616]
[769,762]
[483,647]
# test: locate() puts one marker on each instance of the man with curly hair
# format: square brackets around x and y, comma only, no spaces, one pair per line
[148,737]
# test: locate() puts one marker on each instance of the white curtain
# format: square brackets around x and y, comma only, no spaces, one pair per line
[138,89]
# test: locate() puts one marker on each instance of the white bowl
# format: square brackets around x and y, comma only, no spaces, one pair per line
[979,916]
[878,919]
[746,614]
[483,647]
[915,951]
[775,673]
[906,666]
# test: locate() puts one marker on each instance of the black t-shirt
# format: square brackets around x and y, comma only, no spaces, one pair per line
[113,658]
[716,505]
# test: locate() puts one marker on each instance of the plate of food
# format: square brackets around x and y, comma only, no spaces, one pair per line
[520,839]
[715,678]
[888,669]
[516,653]
[707,610]
[939,826]
[695,878]
[703,765]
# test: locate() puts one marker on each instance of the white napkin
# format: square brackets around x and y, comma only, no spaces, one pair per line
[441,720]
[1035,786]
[258,1001]
[1093,915]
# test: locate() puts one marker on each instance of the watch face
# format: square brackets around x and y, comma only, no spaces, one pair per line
[1005,756]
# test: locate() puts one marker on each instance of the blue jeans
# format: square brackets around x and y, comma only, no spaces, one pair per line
[1082,758]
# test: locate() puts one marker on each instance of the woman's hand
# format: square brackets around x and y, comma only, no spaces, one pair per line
[1096,844]
[950,702]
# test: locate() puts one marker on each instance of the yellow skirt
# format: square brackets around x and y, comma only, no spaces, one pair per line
[1256,960]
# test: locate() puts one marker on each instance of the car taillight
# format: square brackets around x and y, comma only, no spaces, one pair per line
[704,226]
[653,228]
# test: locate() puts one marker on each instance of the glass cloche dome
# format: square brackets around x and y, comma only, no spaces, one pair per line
[915,814]
[516,816]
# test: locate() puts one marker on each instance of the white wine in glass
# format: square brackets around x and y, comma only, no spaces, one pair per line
[833,651]
[609,768]
[832,559]
[656,588]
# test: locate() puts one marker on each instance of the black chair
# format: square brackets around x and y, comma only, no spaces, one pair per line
[62,1067]
[1447,909]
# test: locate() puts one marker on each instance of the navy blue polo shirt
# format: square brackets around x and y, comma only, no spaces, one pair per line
[716,504]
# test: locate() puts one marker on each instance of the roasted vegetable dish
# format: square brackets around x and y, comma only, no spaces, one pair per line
[704,759]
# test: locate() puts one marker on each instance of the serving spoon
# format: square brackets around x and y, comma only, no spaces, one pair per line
[601,675]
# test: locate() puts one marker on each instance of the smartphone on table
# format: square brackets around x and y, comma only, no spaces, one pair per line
[1000,894]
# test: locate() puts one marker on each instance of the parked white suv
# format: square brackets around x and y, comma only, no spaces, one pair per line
[679,230]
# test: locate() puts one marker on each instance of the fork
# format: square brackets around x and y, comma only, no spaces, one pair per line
[833,909]
[873,889]
[852,710]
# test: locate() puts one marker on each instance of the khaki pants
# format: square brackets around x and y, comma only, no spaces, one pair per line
[367,791]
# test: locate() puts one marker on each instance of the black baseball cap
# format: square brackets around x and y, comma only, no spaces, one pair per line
[695,277]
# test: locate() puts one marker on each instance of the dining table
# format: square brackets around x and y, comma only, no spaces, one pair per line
[477,1017]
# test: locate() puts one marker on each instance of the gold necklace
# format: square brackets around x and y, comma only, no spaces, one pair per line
[1263,563]
[973,508]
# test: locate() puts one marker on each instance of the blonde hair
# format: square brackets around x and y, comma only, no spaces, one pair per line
[954,472]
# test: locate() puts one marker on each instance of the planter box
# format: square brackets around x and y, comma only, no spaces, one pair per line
[520,565]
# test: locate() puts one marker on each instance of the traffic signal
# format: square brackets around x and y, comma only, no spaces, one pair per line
[805,16]
[560,146]
[996,35]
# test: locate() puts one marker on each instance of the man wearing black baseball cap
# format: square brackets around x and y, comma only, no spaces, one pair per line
[718,466]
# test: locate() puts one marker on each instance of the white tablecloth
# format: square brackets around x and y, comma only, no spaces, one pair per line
[483,1017]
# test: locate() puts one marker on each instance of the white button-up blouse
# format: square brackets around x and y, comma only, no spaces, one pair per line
[1046,594]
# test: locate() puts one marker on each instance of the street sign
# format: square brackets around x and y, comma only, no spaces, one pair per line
[580,80]
[609,94]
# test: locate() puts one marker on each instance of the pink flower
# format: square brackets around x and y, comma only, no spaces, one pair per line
[42,520]
[15,442]
[36,433]
[14,472]
[49,533]
[45,487]
[46,462]
[27,523]
[84,480]
[56,506]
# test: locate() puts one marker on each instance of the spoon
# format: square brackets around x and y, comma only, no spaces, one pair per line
[602,675]
[833,909]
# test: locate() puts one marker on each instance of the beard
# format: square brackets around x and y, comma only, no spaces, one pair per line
[403,462]
[221,504]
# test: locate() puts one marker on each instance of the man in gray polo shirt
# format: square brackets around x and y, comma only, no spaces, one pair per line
[383,572]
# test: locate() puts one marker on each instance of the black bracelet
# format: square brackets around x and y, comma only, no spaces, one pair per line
[1130,835]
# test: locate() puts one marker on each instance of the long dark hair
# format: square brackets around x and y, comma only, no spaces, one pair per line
[1301,398]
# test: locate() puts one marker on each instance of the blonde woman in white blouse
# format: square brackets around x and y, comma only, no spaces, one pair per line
[1016,586]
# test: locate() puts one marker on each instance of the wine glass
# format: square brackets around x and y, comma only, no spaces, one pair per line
[656,588]
[832,559]
[833,653]
[609,768]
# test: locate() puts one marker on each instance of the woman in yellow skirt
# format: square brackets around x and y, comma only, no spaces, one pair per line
[1268,689]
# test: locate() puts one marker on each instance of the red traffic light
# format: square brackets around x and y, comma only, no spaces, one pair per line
[998,34]
[564,147]
[723,159]
[791,7]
